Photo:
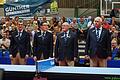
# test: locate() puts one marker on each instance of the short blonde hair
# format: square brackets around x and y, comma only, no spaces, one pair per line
[114,40]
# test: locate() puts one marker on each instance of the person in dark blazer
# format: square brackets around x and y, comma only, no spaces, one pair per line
[20,44]
[98,45]
[66,48]
[43,43]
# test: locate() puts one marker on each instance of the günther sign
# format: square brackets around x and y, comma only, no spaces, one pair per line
[11,10]
[24,8]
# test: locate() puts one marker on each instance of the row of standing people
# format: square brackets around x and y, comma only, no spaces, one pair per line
[66,51]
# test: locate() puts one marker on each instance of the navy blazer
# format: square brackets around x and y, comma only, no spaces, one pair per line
[103,46]
[69,50]
[21,45]
[44,46]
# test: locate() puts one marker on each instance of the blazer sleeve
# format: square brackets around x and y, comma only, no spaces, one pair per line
[75,45]
[28,44]
[87,43]
[51,45]
[109,43]
[56,46]
[11,44]
[35,45]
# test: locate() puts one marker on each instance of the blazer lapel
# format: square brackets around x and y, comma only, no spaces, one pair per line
[22,35]
[45,36]
[102,34]
[39,34]
[16,35]
[62,36]
[68,37]
[94,33]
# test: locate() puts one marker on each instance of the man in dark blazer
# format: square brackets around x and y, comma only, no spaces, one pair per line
[20,44]
[66,48]
[43,43]
[98,45]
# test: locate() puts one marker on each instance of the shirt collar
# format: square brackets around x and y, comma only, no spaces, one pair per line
[20,31]
[43,31]
[67,32]
[99,28]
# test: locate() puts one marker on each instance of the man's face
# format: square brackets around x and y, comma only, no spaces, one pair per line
[44,27]
[74,20]
[65,27]
[20,26]
[97,23]
[82,20]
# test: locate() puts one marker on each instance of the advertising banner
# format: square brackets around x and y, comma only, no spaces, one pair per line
[24,8]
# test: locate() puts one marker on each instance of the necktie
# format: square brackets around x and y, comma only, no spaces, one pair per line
[19,35]
[65,38]
[43,36]
[97,35]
